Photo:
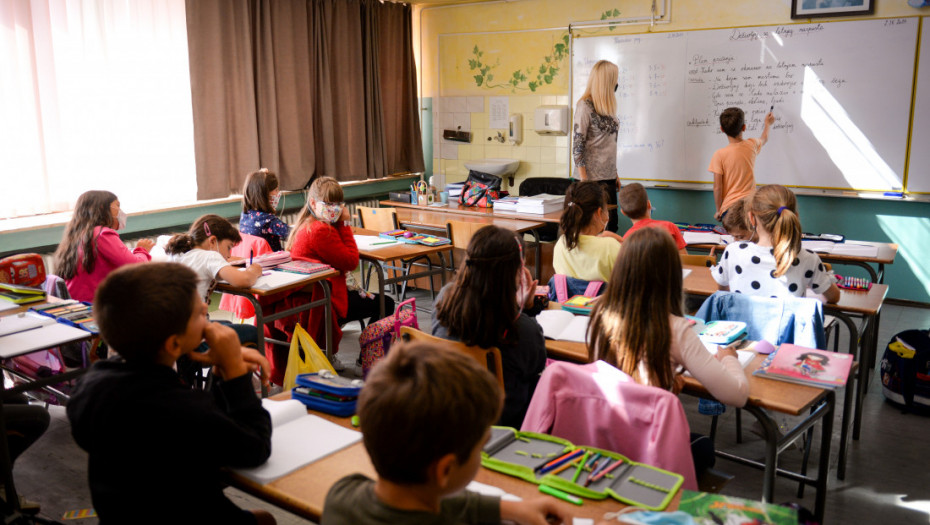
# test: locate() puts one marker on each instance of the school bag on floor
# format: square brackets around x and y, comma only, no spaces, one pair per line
[377,337]
[905,370]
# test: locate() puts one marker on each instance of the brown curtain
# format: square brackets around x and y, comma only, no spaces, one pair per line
[303,87]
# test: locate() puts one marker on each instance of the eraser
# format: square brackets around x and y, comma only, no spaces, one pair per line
[763,347]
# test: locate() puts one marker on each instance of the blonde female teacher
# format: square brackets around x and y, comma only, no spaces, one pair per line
[594,139]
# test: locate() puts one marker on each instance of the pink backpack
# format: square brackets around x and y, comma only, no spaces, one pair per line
[377,337]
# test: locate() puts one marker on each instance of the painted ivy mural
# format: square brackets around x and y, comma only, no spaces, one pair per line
[529,78]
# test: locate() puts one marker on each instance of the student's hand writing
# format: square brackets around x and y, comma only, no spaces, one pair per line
[255,270]
[224,352]
[145,244]
[257,363]
[769,119]
[535,511]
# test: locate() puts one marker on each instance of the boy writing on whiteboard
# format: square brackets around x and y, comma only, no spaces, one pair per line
[733,165]
[156,446]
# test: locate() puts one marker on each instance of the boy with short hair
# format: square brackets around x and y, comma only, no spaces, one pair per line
[155,446]
[736,223]
[634,203]
[733,165]
[426,413]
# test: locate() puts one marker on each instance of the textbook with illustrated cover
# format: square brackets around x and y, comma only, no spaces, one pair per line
[807,366]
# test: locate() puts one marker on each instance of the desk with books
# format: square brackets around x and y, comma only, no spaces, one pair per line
[22,343]
[378,256]
[303,491]
[428,219]
[276,283]
[454,208]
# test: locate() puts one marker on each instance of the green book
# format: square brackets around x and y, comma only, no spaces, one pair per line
[713,509]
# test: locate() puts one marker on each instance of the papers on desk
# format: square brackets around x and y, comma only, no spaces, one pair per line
[298,439]
[12,324]
[6,305]
[47,336]
[563,325]
[701,237]
[275,279]
[373,242]
[848,248]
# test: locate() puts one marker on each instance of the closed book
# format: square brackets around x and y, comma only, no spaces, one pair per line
[807,366]
[722,332]
[303,267]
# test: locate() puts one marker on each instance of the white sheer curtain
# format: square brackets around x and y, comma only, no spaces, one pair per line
[94,94]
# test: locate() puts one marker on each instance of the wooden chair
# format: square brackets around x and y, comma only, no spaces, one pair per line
[460,233]
[489,357]
[699,260]
[378,219]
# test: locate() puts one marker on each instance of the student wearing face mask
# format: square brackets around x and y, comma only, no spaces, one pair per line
[260,196]
[323,234]
[487,305]
[585,250]
[90,248]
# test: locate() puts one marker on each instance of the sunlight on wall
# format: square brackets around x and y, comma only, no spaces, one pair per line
[849,148]
[912,235]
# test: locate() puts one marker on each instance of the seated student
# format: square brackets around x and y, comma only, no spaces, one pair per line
[205,249]
[260,194]
[736,224]
[585,250]
[155,446]
[324,234]
[638,326]
[775,265]
[90,248]
[426,413]
[484,307]
[635,204]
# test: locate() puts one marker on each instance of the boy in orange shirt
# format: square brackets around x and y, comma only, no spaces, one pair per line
[733,164]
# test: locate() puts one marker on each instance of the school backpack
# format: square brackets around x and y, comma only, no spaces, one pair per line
[26,269]
[905,370]
[563,288]
[376,338]
[480,190]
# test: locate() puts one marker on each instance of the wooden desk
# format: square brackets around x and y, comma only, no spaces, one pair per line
[67,335]
[886,255]
[427,219]
[457,209]
[254,294]
[401,251]
[304,490]
[764,394]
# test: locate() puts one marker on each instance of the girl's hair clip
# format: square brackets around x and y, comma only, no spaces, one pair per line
[781,209]
[206,229]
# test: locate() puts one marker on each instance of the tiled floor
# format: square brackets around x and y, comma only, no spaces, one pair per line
[886,482]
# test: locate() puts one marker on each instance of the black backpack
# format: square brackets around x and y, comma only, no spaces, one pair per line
[905,370]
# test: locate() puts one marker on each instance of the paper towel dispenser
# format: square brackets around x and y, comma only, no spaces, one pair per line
[551,120]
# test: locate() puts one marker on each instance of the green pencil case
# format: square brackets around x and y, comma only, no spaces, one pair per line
[518,453]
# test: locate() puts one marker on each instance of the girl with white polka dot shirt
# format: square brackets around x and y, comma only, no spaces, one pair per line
[774,265]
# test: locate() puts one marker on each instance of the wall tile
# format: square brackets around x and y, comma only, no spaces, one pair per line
[450,151]
[546,155]
[461,121]
[531,154]
[475,104]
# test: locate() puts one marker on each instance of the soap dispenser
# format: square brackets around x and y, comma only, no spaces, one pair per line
[515,134]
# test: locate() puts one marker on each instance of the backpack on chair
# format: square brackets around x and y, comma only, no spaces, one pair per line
[905,370]
[376,338]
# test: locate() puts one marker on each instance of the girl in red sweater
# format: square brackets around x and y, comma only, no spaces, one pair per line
[324,234]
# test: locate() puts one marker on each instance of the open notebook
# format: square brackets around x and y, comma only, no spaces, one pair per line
[298,439]
[563,325]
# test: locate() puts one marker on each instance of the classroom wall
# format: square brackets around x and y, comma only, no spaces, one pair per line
[518,37]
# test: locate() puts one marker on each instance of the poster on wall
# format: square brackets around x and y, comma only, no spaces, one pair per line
[504,63]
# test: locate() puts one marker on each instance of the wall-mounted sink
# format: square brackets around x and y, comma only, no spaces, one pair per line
[499,167]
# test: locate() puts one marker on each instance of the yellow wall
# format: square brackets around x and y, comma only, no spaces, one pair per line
[517,36]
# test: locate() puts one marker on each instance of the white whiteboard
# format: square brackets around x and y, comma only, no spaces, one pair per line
[918,167]
[841,91]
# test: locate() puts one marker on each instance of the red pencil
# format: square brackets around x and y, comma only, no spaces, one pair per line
[605,470]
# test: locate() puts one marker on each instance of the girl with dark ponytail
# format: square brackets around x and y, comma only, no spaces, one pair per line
[585,250]
[774,265]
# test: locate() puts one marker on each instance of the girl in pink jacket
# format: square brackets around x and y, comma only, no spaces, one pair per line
[90,248]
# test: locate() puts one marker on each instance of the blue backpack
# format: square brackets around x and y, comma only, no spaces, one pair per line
[905,370]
